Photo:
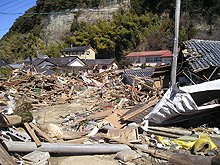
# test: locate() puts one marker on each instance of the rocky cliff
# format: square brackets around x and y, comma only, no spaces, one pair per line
[55,25]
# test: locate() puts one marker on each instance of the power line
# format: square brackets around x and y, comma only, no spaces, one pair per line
[14,5]
[8,13]
[23,6]
[3,29]
[48,13]
[7,3]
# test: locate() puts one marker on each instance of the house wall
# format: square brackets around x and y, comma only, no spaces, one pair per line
[102,68]
[149,60]
[167,60]
[81,55]
[76,63]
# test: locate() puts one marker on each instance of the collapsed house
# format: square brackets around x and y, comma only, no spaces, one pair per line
[116,113]
[186,103]
[199,61]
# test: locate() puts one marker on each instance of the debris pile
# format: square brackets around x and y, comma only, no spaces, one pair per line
[116,121]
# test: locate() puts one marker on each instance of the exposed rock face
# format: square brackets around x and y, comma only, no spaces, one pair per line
[57,24]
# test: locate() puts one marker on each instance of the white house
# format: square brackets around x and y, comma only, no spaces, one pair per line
[150,58]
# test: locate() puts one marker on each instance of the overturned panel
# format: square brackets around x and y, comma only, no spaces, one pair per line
[178,104]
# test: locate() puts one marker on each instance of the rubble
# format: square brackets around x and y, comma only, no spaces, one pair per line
[117,117]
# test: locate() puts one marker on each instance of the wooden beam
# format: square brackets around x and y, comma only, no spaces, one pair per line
[5,158]
[32,134]
[41,133]
[152,152]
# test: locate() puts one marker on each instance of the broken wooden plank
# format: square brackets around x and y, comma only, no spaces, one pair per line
[128,134]
[9,120]
[163,134]
[41,133]
[115,118]
[132,112]
[32,134]
[5,158]
[172,131]
[152,152]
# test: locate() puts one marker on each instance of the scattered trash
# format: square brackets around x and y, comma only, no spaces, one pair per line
[133,120]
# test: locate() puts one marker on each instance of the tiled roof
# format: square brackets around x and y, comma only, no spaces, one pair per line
[128,79]
[202,54]
[76,49]
[28,59]
[3,64]
[61,61]
[99,61]
[37,62]
[160,53]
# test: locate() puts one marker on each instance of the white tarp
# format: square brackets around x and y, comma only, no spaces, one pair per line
[177,103]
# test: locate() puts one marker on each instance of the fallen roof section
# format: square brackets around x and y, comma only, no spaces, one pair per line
[202,54]
[178,104]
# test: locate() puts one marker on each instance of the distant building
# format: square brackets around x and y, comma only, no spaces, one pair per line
[2,63]
[82,52]
[101,65]
[150,58]
[27,60]
[61,62]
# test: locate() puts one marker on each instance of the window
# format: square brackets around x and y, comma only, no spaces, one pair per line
[153,59]
[81,53]
[104,67]
[157,59]
[138,60]
[167,61]
[149,59]
[87,52]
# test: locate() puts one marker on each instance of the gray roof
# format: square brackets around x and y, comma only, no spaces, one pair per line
[76,49]
[128,79]
[37,62]
[3,64]
[16,66]
[202,54]
[61,61]
[33,58]
[42,56]
[46,71]
[99,61]
[28,59]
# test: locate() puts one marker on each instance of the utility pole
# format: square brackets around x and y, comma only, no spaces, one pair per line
[175,43]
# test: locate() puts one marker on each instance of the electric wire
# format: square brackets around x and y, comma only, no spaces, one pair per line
[7,3]
[13,5]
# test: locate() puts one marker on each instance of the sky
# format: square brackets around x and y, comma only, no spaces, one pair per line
[10,10]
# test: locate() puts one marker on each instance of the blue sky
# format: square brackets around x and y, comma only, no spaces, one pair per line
[9,10]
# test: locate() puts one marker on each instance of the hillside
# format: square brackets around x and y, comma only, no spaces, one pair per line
[113,28]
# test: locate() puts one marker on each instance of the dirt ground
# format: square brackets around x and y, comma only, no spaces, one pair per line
[51,114]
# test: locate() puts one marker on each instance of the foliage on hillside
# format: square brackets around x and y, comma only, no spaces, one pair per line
[147,26]
[126,32]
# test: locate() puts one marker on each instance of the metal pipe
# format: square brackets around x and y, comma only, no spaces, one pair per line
[67,148]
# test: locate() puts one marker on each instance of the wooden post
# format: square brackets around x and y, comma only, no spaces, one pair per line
[32,134]
[41,133]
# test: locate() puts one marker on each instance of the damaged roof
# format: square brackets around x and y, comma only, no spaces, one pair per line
[202,54]
[62,61]
[99,61]
[129,74]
